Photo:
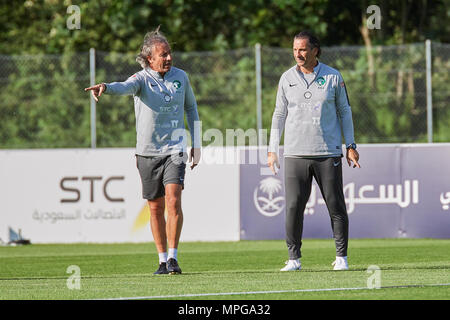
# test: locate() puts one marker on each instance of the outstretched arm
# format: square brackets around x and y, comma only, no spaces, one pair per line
[96,90]
[129,87]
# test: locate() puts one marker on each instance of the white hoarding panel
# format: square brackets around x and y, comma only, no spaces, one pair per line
[94,195]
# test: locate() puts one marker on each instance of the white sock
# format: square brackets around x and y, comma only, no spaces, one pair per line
[173,253]
[162,257]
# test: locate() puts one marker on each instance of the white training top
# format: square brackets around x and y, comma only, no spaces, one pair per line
[159,105]
[312,111]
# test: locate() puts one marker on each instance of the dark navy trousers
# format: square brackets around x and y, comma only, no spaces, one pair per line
[298,182]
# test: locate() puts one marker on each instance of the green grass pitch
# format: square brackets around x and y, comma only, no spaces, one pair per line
[244,270]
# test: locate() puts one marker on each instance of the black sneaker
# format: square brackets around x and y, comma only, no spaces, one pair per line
[162,269]
[173,267]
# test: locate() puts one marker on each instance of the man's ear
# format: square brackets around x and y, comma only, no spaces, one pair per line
[315,51]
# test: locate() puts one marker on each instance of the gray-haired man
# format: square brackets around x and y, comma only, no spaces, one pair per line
[313,108]
[162,94]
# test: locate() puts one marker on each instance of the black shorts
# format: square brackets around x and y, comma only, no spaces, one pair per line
[158,171]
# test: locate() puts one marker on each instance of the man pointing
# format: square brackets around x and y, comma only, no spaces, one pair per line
[162,95]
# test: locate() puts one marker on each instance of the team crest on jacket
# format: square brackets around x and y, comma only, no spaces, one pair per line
[177,84]
[321,81]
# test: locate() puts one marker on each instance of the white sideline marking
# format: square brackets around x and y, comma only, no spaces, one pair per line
[274,291]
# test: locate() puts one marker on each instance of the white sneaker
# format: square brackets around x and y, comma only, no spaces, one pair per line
[340,263]
[292,265]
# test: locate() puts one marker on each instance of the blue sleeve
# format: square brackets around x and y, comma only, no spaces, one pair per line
[344,111]
[190,107]
[131,86]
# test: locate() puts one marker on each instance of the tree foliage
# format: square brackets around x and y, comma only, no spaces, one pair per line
[39,26]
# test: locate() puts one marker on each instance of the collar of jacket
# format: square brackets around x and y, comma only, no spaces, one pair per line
[157,75]
[316,68]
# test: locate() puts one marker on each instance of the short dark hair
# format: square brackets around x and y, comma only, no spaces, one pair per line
[313,40]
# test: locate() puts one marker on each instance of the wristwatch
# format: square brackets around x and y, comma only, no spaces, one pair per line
[352,146]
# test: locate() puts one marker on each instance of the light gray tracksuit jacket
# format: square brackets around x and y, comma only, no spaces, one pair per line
[160,104]
[313,114]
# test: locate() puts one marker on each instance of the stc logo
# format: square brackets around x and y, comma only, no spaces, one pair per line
[73,185]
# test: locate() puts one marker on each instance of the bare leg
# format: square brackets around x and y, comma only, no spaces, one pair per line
[174,214]
[158,223]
